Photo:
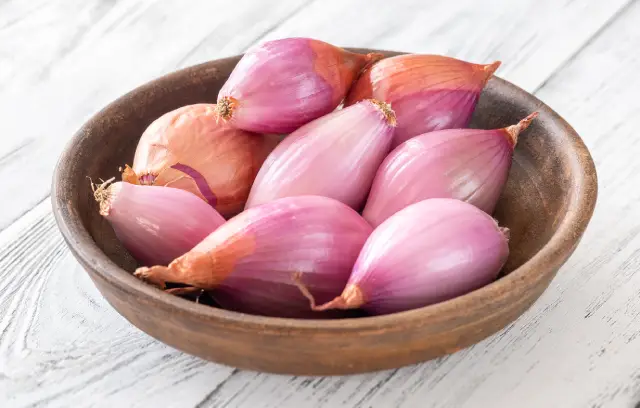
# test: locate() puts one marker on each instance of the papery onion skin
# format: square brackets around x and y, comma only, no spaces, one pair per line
[471,165]
[429,252]
[251,261]
[427,92]
[156,224]
[281,85]
[191,149]
[335,156]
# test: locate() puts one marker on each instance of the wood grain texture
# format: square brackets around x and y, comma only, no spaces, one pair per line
[533,38]
[62,345]
[61,342]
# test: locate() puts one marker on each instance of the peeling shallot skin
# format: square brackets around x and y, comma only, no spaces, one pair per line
[190,148]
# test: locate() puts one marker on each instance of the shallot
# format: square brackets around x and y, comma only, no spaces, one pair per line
[156,224]
[335,156]
[427,253]
[428,92]
[191,149]
[280,85]
[471,165]
[252,262]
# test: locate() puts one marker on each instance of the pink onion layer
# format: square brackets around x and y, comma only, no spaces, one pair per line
[281,85]
[471,165]
[427,253]
[254,261]
[156,224]
[335,156]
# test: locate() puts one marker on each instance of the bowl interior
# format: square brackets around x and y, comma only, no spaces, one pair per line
[534,201]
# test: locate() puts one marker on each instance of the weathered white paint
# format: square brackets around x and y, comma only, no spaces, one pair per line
[62,345]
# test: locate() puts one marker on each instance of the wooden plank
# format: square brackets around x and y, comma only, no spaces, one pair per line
[62,345]
[532,38]
[76,65]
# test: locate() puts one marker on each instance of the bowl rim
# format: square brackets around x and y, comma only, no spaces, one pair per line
[540,266]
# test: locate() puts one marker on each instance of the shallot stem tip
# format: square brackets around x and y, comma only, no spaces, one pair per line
[489,69]
[386,110]
[351,298]
[157,275]
[225,107]
[372,58]
[514,130]
[128,175]
[297,280]
[337,303]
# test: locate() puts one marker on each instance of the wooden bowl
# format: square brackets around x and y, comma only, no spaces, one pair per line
[547,204]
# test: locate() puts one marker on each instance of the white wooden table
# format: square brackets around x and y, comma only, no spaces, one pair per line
[62,345]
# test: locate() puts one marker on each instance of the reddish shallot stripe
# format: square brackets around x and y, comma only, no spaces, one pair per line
[204,188]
